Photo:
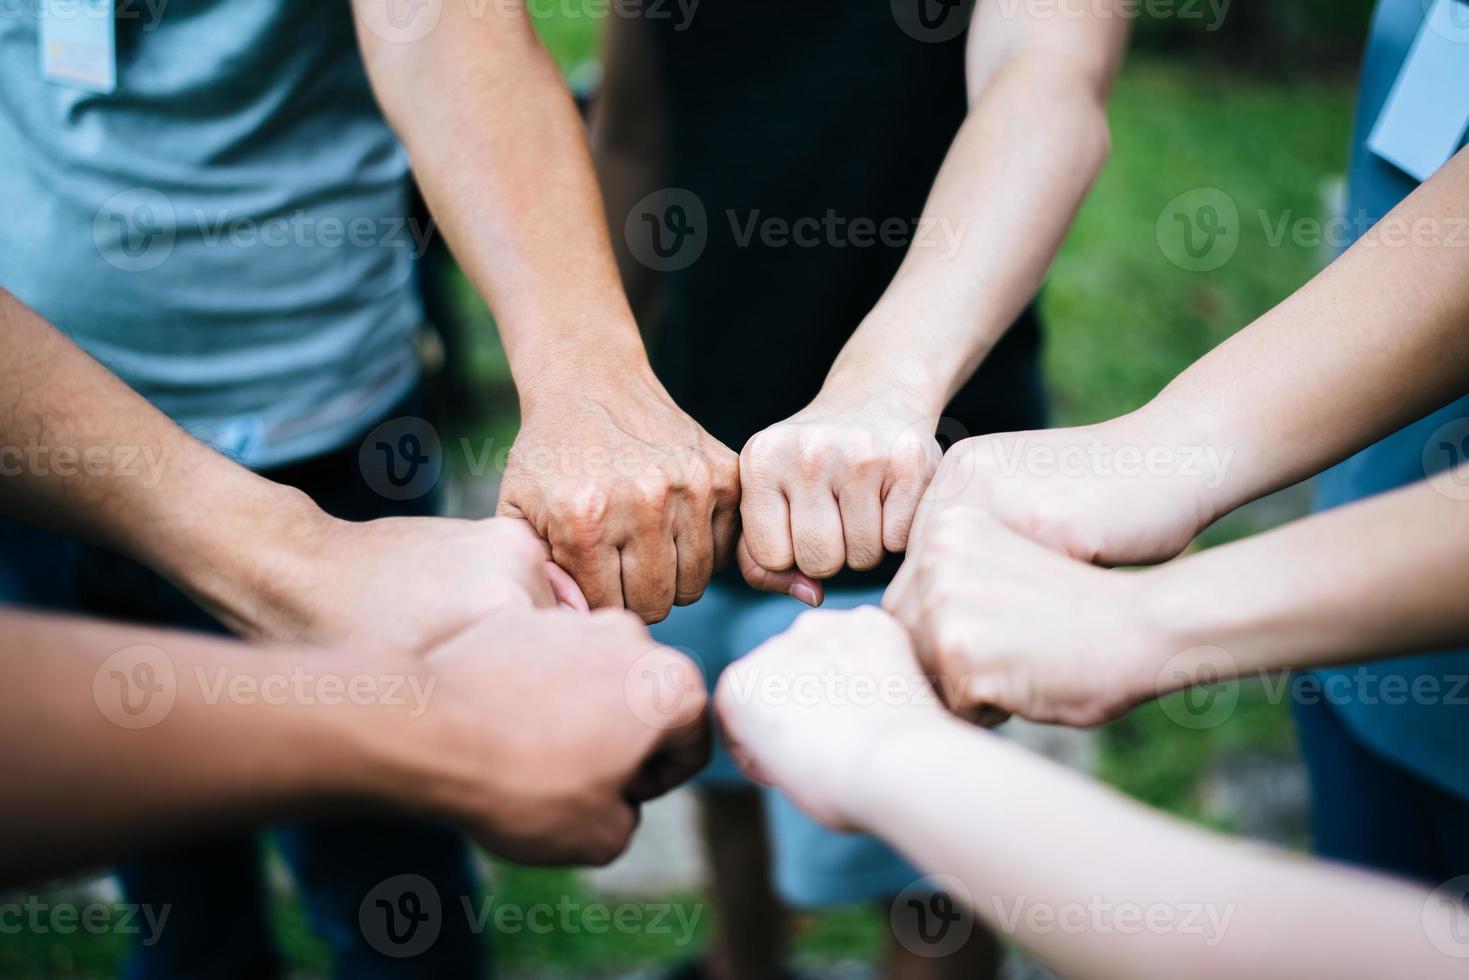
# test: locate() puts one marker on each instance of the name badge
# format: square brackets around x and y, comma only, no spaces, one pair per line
[79,43]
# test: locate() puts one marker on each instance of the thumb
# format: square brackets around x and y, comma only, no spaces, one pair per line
[564,587]
[792,583]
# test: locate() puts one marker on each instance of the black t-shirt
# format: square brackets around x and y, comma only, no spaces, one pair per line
[810,134]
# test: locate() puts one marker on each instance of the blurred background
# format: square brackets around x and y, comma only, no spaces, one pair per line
[1260,109]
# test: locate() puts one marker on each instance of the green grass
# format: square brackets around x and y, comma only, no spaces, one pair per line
[1122,321]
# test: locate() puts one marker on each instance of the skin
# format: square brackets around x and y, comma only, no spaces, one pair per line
[1013,627]
[1371,344]
[898,765]
[837,485]
[631,496]
[262,557]
[540,733]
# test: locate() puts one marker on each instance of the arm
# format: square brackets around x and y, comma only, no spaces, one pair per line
[838,483]
[1121,893]
[83,454]
[633,497]
[129,739]
[1371,344]
[1017,628]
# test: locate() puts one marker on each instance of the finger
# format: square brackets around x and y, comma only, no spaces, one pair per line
[900,512]
[682,752]
[565,589]
[608,834]
[816,532]
[725,524]
[862,514]
[792,583]
[765,520]
[596,570]
[693,542]
[649,566]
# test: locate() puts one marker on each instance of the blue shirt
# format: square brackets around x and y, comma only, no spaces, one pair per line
[1426,732]
[227,231]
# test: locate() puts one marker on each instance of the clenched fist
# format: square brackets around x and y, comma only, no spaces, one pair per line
[1008,626]
[834,486]
[552,728]
[637,502]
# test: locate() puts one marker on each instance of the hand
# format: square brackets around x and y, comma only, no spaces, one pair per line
[398,584]
[806,710]
[835,485]
[1125,492]
[555,727]
[1007,626]
[637,501]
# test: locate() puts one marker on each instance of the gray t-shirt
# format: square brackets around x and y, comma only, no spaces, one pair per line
[228,230]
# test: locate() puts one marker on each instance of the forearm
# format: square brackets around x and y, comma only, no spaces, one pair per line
[126,739]
[85,455]
[997,214]
[1380,577]
[962,802]
[1371,344]
[503,160]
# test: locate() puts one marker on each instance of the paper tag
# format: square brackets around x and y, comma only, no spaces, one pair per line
[79,43]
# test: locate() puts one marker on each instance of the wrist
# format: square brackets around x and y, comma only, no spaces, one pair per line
[1190,630]
[861,376]
[251,565]
[872,799]
[592,356]
[1203,431]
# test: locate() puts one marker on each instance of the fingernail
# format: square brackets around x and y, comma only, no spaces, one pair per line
[805,593]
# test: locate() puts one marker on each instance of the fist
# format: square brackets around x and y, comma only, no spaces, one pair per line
[1007,626]
[558,726]
[834,486]
[804,711]
[635,500]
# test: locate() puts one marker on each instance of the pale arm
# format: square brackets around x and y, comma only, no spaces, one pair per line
[838,483]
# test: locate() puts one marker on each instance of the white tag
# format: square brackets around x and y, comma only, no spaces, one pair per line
[1422,125]
[79,43]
